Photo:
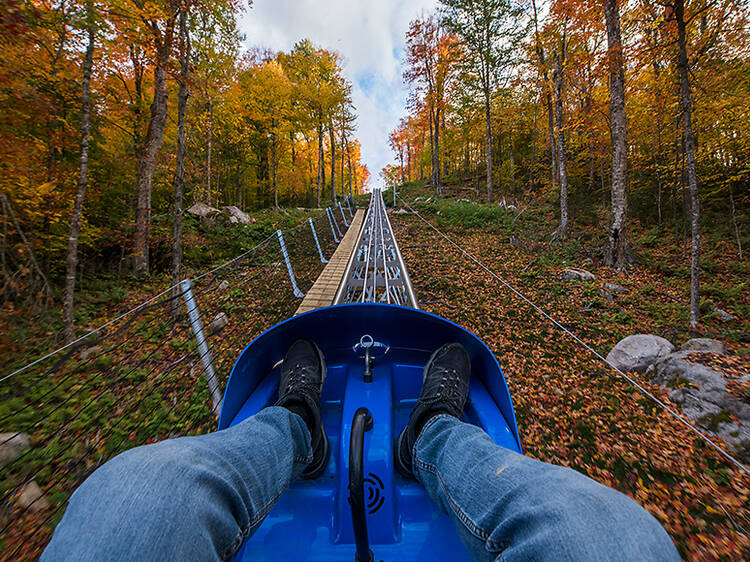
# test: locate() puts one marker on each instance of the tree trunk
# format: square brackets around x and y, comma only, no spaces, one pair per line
[562,230]
[333,162]
[349,162]
[617,253]
[209,146]
[488,133]
[320,159]
[83,180]
[533,148]
[179,176]
[274,169]
[692,176]
[344,144]
[149,155]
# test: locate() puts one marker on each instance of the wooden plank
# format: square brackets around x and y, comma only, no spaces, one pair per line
[324,289]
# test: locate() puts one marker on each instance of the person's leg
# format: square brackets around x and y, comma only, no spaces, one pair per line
[508,506]
[511,507]
[193,498]
[199,498]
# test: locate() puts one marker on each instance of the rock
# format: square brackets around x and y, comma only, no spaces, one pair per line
[238,215]
[573,274]
[218,323]
[515,242]
[615,288]
[588,261]
[704,345]
[701,393]
[723,315]
[401,212]
[90,352]
[224,285]
[606,295]
[202,210]
[637,352]
[11,446]
[31,497]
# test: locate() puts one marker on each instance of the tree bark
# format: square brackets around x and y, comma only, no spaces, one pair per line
[83,180]
[562,230]
[344,145]
[320,159]
[333,162]
[488,133]
[209,146]
[349,161]
[692,176]
[617,253]
[150,153]
[179,178]
[274,168]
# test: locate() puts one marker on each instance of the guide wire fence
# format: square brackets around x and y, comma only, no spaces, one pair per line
[139,378]
[672,462]
[586,346]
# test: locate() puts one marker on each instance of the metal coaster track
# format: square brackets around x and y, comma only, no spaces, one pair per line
[376,270]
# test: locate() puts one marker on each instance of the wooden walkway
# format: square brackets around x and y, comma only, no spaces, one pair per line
[324,289]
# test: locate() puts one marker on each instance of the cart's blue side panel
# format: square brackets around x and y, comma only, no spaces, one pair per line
[313,520]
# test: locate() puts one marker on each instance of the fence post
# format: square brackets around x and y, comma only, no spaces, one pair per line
[297,293]
[333,218]
[343,216]
[197,326]
[333,230]
[315,237]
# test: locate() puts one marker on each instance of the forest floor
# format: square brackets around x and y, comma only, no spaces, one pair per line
[572,409]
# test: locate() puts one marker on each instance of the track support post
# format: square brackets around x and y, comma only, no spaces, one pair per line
[330,221]
[196,326]
[297,293]
[343,216]
[317,244]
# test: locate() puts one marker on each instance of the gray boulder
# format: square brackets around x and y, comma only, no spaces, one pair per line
[12,445]
[574,274]
[32,498]
[218,323]
[704,345]
[637,352]
[723,315]
[612,288]
[202,210]
[224,285]
[701,393]
[90,352]
[236,215]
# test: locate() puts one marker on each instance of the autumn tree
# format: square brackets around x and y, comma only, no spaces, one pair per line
[490,31]
[83,178]
[158,21]
[617,252]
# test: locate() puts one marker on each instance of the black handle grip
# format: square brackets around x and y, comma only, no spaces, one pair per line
[361,422]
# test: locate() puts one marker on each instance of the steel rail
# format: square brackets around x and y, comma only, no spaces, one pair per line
[362,281]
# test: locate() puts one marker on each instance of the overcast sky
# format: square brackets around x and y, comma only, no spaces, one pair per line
[370,37]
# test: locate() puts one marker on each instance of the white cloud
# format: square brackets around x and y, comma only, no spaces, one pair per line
[369,35]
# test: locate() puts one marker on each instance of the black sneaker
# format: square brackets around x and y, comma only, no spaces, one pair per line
[302,374]
[445,387]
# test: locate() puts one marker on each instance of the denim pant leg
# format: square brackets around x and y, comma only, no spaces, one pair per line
[193,498]
[511,507]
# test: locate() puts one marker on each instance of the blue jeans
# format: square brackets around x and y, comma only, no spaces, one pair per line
[199,498]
